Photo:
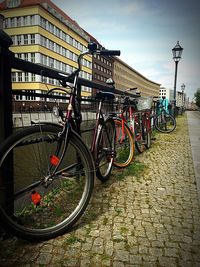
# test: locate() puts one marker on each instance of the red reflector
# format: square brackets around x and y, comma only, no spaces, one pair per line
[54,160]
[35,198]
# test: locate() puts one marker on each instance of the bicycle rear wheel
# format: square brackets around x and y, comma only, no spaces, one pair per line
[105,149]
[146,132]
[124,144]
[165,123]
[139,139]
[35,203]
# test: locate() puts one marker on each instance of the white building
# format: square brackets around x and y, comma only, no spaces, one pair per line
[169,94]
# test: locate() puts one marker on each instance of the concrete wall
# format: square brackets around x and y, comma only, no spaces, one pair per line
[25,118]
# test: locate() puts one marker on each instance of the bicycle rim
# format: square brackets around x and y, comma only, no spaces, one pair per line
[39,205]
[146,137]
[139,141]
[165,123]
[124,145]
[105,150]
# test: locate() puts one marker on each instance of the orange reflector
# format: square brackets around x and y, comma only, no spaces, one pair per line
[35,198]
[54,160]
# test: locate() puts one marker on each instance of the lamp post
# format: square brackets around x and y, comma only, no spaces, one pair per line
[183,95]
[177,52]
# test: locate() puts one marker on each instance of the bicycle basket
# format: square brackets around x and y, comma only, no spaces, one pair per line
[144,103]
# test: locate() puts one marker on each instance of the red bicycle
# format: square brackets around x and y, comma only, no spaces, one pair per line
[133,129]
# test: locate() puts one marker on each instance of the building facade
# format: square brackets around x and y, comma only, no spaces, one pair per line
[166,92]
[126,77]
[43,34]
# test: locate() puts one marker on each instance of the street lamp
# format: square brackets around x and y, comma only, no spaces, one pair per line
[183,87]
[183,95]
[177,52]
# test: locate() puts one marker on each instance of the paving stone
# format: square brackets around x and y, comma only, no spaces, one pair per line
[152,220]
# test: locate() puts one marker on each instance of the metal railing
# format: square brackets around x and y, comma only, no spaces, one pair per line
[9,61]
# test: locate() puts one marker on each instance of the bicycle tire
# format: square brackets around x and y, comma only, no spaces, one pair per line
[146,135]
[139,140]
[124,144]
[105,149]
[35,209]
[165,123]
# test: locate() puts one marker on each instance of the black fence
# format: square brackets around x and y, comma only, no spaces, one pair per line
[9,61]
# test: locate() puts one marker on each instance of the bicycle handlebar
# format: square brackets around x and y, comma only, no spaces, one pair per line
[108,52]
[92,49]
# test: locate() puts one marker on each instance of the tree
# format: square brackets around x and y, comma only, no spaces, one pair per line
[197,96]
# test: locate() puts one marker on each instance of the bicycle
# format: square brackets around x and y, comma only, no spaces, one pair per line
[47,171]
[132,129]
[124,140]
[162,120]
[138,110]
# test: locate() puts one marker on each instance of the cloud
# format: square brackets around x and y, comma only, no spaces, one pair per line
[145,32]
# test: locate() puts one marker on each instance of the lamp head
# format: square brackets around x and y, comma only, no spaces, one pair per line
[177,52]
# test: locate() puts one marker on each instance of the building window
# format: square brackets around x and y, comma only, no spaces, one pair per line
[51,62]
[32,19]
[25,20]
[51,80]
[43,41]
[19,39]
[43,22]
[13,22]
[32,38]
[70,40]
[25,39]
[13,3]
[32,77]
[51,45]
[19,76]
[19,22]
[26,76]
[13,39]
[26,56]
[33,57]
[57,49]
[13,76]
[30,97]
[70,55]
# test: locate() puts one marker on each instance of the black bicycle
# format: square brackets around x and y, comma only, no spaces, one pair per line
[47,171]
[163,121]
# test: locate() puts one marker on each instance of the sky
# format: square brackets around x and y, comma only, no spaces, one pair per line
[146,31]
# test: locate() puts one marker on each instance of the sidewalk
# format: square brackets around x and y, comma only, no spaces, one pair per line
[147,215]
[194,132]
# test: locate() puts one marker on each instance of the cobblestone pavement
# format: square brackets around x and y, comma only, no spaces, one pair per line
[146,215]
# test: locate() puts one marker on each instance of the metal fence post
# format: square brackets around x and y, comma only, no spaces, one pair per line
[6,177]
[5,86]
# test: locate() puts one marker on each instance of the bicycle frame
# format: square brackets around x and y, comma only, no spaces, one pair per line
[70,123]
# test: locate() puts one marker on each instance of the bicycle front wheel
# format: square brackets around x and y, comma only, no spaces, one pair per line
[165,123]
[40,198]
[124,144]
[105,149]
